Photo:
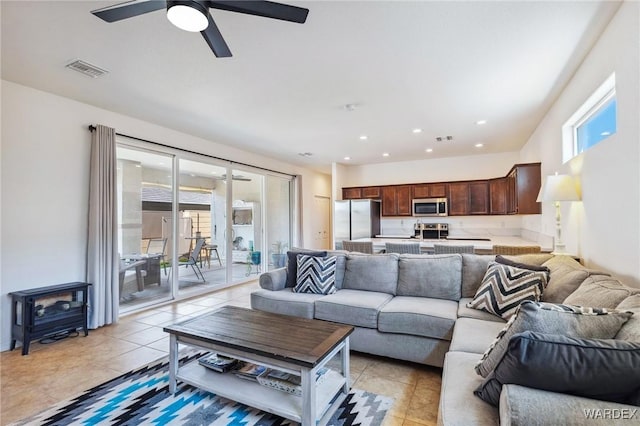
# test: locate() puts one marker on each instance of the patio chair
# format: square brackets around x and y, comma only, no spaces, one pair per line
[410,248]
[365,247]
[126,271]
[158,246]
[193,260]
[448,249]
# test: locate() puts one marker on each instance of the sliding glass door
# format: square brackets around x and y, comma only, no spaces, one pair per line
[202,192]
[145,234]
[189,224]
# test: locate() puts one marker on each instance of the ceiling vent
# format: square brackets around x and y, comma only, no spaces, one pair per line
[86,68]
[444,138]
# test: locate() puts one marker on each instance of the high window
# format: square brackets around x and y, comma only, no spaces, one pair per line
[593,122]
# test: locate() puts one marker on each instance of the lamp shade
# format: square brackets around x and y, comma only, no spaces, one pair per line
[558,188]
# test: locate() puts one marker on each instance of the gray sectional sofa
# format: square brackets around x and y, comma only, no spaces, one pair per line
[413,307]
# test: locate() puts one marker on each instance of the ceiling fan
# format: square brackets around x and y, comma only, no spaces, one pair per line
[194,16]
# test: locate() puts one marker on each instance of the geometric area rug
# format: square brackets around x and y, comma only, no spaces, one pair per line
[141,397]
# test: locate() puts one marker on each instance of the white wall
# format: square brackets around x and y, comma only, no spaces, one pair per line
[604,228]
[45,180]
[430,170]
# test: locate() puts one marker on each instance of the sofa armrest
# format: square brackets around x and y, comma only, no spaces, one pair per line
[523,406]
[274,280]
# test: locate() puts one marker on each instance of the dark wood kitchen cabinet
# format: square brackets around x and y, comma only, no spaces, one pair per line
[468,198]
[523,185]
[430,190]
[498,196]
[351,193]
[396,200]
[372,192]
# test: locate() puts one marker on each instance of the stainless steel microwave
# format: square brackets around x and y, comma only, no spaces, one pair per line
[430,207]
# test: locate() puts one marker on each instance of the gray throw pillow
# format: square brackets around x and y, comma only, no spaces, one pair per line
[505,287]
[571,321]
[594,368]
[436,276]
[600,291]
[292,263]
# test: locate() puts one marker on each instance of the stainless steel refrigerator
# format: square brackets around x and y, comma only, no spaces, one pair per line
[355,219]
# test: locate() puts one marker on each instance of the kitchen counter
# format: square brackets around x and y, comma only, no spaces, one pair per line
[482,244]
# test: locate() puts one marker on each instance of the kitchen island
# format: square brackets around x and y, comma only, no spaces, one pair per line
[481,244]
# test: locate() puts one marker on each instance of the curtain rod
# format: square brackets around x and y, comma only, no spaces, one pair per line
[92,128]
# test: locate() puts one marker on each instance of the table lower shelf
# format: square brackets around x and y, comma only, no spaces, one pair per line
[262,397]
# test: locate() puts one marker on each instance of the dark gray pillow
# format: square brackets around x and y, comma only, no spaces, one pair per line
[594,368]
[292,263]
[572,321]
[506,261]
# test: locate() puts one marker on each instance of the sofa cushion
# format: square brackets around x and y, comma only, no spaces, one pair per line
[524,406]
[466,312]
[594,368]
[353,307]
[316,275]
[504,287]
[371,272]
[548,318]
[420,316]
[537,259]
[292,263]
[458,406]
[600,291]
[436,276]
[631,329]
[474,335]
[474,266]
[566,276]
[285,302]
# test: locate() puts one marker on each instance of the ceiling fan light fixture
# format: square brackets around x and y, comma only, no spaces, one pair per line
[188,15]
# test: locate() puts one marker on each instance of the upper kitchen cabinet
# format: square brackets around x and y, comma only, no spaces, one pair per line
[396,200]
[498,196]
[468,198]
[372,192]
[351,193]
[523,185]
[430,190]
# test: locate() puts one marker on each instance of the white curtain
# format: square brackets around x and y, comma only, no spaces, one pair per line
[102,251]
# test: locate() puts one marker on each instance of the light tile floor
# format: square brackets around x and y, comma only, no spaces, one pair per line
[57,371]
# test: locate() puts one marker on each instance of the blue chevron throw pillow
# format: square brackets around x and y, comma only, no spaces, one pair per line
[505,287]
[316,274]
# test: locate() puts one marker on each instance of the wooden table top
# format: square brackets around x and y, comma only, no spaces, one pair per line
[297,340]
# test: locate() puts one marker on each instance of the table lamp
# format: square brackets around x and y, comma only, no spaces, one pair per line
[558,188]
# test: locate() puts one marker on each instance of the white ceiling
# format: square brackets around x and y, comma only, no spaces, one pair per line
[438,66]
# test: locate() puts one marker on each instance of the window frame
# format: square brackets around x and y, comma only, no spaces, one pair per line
[592,106]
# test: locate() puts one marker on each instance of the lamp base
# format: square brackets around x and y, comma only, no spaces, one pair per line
[559,248]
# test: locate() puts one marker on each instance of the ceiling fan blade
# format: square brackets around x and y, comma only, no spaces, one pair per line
[215,40]
[128,10]
[267,9]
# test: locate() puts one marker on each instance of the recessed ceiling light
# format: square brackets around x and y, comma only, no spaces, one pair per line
[417,130]
[138,165]
[479,145]
[385,154]
[481,122]
[428,150]
[192,174]
[347,158]
[363,138]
